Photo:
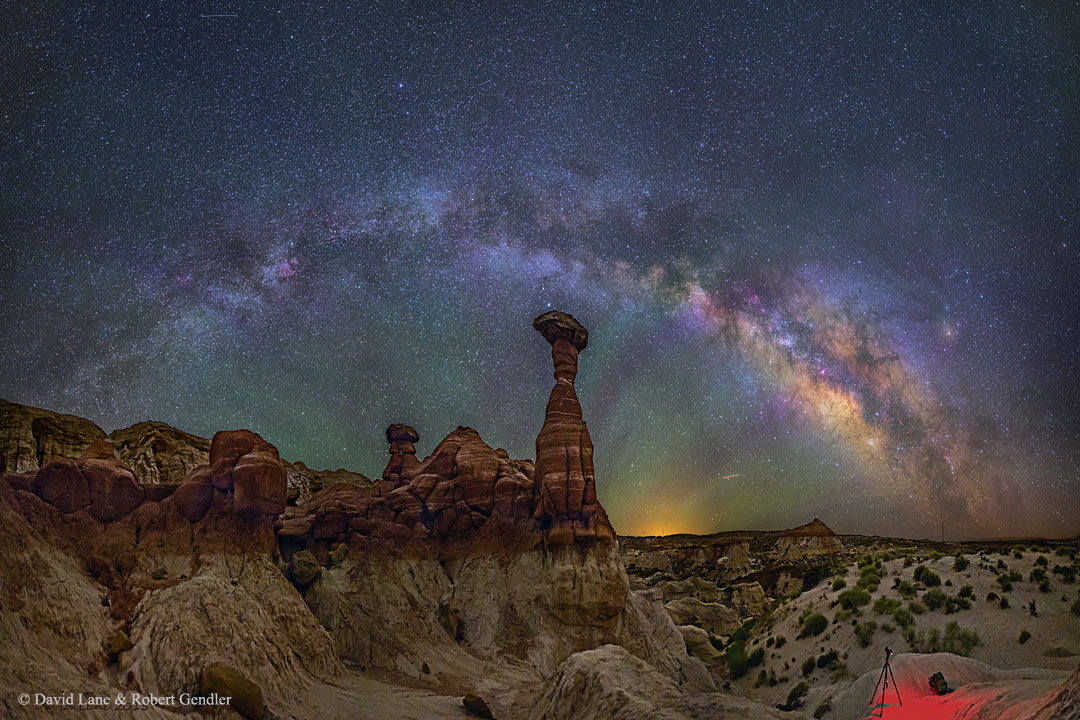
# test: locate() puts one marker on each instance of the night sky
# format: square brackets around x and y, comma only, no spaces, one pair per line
[827,254]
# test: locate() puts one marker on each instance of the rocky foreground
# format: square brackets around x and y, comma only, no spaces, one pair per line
[156,562]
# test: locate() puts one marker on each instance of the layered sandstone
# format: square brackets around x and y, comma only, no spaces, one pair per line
[811,540]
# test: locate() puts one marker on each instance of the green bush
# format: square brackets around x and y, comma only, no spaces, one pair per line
[1003,603]
[814,624]
[934,599]
[886,606]
[742,633]
[966,592]
[794,698]
[762,678]
[815,575]
[1005,583]
[780,640]
[830,659]
[736,658]
[956,640]
[864,633]
[1032,610]
[757,657]
[1037,576]
[916,607]
[927,577]
[822,709]
[904,618]
[904,588]
[839,584]
[960,562]
[808,666]
[1045,586]
[1041,560]
[853,599]
[1024,637]
[1067,573]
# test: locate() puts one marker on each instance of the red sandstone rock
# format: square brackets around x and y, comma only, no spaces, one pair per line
[60,483]
[192,498]
[403,462]
[114,491]
[564,477]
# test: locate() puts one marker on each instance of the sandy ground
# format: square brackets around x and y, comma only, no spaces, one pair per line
[1054,641]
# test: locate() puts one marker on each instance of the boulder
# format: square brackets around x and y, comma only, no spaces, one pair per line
[246,696]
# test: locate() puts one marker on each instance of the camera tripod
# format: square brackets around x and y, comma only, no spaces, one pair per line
[883,680]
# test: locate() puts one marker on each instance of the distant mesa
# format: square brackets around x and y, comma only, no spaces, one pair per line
[811,540]
[814,528]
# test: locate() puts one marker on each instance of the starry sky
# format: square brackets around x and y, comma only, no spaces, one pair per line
[827,252]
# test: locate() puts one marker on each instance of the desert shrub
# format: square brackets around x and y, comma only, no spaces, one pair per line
[839,584]
[966,592]
[904,588]
[916,607]
[808,666]
[1037,576]
[1018,555]
[830,659]
[822,709]
[927,576]
[956,604]
[756,658]
[794,698]
[1024,636]
[815,575]
[955,640]
[903,618]
[854,598]
[886,605]
[1067,573]
[737,660]
[1015,576]
[1041,560]
[1005,583]
[991,596]
[1001,565]
[864,633]
[1045,586]
[769,642]
[814,624]
[742,633]
[935,555]
[1032,610]
[762,678]
[869,579]
[909,561]
[888,628]
[1003,603]
[780,640]
[934,599]
[960,562]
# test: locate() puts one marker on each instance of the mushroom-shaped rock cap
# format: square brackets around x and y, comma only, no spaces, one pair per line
[401,433]
[555,325]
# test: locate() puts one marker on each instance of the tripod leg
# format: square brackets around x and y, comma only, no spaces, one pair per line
[874,695]
[895,687]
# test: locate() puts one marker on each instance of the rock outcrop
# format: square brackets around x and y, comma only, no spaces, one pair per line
[565,480]
[159,453]
[186,571]
[29,435]
[812,540]
[608,683]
